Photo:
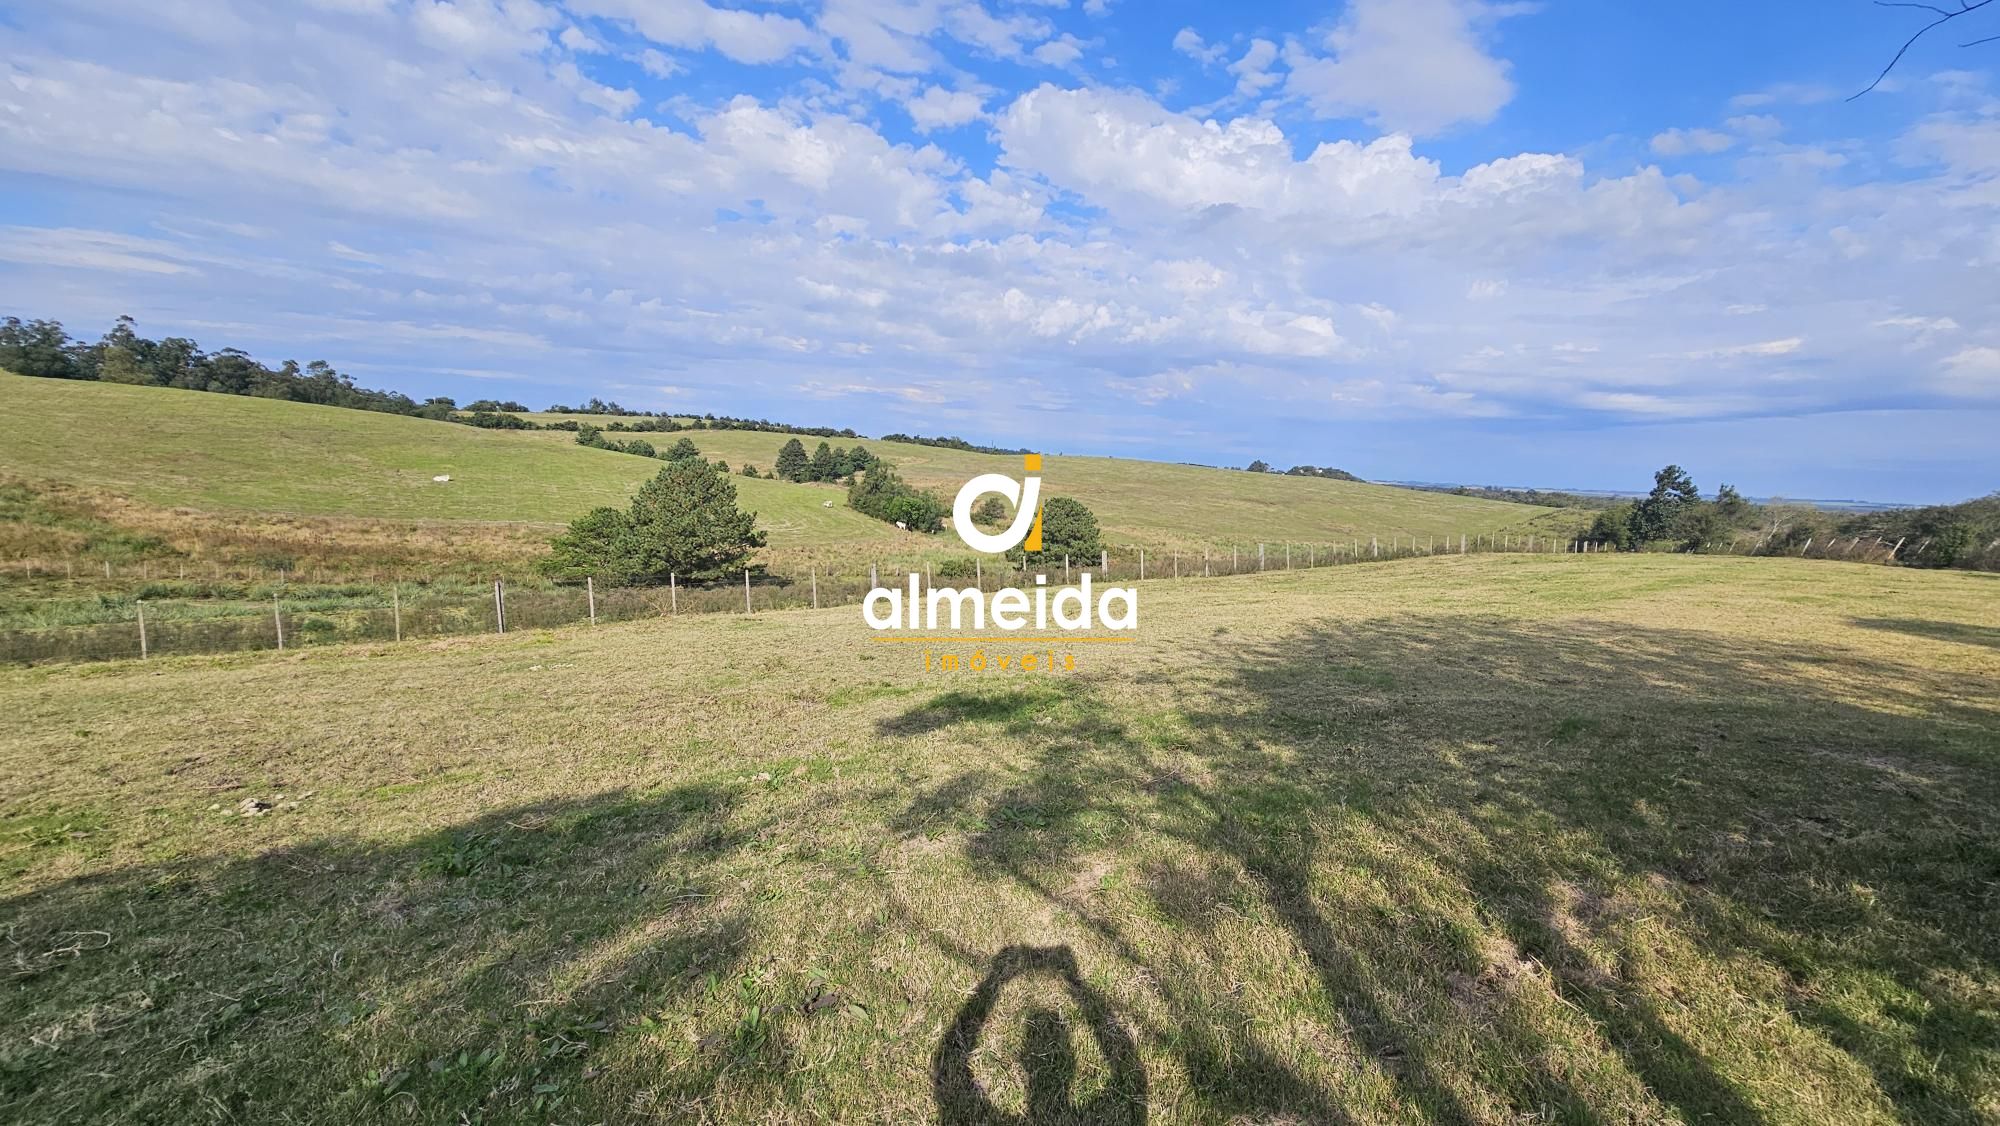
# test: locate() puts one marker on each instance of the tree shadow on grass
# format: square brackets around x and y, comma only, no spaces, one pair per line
[1819,823]
[1988,636]
[475,970]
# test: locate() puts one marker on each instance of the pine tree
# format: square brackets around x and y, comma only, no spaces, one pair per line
[685,522]
[792,464]
[822,466]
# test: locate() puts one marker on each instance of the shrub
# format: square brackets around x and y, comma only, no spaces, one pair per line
[882,493]
[597,544]
[1068,529]
[956,568]
[749,470]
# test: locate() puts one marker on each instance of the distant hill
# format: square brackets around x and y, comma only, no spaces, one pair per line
[240,454]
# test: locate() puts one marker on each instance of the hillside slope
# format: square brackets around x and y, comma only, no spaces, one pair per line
[226,453]
[229,453]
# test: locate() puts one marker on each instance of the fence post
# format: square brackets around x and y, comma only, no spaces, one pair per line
[1065,567]
[107,568]
[746,588]
[1177,564]
[1375,547]
[396,609]
[499,608]
[1461,543]
[278,617]
[815,581]
[1260,557]
[1807,547]
[141,605]
[1897,548]
[1142,563]
[1288,555]
[1232,558]
[590,592]
[673,592]
[978,573]
[873,581]
[1204,563]
[1103,560]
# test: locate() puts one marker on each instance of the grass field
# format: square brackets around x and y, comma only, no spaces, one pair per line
[227,454]
[1493,839]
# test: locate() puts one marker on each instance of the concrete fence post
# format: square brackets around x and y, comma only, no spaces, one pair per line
[590,592]
[278,619]
[396,610]
[1142,563]
[746,589]
[815,582]
[140,605]
[499,607]
[673,592]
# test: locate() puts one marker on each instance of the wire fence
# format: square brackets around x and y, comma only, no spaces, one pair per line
[212,616]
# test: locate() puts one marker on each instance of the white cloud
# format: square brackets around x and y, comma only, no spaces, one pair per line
[939,108]
[1253,70]
[1060,51]
[1190,43]
[1766,348]
[478,189]
[747,37]
[1417,66]
[1972,373]
[1681,142]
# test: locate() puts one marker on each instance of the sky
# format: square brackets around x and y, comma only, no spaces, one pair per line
[1553,244]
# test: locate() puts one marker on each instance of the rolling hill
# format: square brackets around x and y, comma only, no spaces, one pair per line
[228,454]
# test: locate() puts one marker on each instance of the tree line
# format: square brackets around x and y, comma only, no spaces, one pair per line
[1674,516]
[45,349]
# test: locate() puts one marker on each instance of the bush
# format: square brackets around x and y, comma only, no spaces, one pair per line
[957,568]
[1068,529]
[683,522]
[749,470]
[882,493]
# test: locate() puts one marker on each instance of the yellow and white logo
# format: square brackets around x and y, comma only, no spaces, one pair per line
[1067,609]
[1024,495]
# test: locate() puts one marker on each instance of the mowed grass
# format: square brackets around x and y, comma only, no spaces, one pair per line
[1493,839]
[233,454]
[1161,506]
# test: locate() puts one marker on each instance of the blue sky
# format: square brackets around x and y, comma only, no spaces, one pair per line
[1551,243]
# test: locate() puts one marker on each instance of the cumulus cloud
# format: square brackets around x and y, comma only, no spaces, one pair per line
[1417,66]
[465,181]
[939,108]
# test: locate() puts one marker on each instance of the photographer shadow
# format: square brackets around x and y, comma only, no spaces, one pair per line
[1048,1056]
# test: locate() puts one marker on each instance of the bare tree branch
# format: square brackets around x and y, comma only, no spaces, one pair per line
[1945,16]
